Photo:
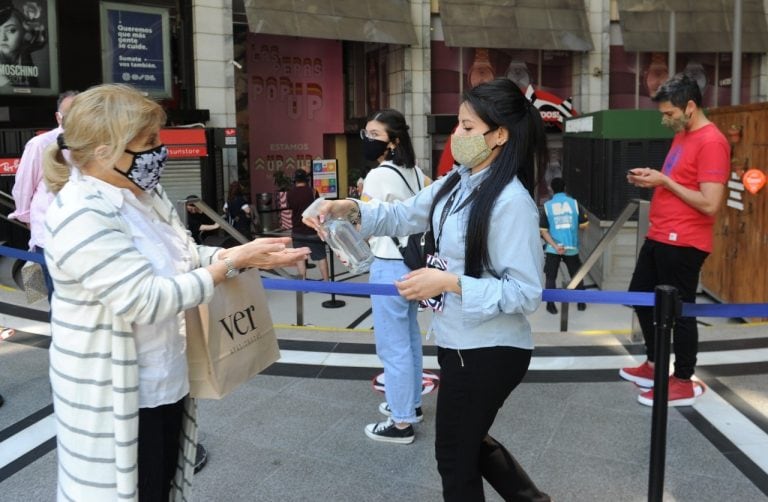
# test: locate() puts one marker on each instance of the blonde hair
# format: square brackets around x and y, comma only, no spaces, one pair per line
[109,115]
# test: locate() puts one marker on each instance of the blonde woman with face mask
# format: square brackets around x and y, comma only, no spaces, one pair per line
[124,270]
[482,282]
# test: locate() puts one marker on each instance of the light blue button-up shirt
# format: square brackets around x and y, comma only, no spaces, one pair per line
[490,311]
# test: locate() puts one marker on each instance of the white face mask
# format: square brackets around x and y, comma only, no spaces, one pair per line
[470,151]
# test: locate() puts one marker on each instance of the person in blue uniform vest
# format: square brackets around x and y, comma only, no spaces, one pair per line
[561,219]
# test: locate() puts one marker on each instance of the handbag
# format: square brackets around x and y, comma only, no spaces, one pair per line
[416,249]
[418,246]
[33,281]
[230,339]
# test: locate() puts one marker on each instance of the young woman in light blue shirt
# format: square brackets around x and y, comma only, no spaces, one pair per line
[485,280]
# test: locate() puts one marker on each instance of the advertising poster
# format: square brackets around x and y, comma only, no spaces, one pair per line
[28,61]
[295,97]
[325,178]
[456,70]
[135,47]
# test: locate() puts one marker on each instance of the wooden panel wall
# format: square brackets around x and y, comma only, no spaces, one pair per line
[735,272]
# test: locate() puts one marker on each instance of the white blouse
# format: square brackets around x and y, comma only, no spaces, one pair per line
[161,347]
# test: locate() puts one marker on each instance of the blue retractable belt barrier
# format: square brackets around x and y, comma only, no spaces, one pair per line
[731,310]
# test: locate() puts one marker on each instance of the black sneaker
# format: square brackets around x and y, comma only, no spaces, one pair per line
[581,306]
[201,457]
[551,308]
[1,400]
[387,412]
[388,431]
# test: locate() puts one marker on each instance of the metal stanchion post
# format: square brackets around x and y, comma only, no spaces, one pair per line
[299,308]
[666,310]
[333,303]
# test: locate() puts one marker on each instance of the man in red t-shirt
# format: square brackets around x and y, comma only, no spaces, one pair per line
[688,191]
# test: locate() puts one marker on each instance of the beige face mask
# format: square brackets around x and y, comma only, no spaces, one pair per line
[470,151]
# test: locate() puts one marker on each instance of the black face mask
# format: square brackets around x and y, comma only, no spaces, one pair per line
[373,149]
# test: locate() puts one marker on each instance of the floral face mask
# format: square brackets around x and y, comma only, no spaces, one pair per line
[147,167]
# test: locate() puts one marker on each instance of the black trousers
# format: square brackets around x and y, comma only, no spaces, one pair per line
[159,438]
[552,264]
[473,386]
[662,264]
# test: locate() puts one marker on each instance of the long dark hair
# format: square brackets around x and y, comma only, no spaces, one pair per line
[499,103]
[397,130]
[235,190]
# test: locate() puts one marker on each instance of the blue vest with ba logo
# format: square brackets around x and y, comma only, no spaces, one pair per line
[563,218]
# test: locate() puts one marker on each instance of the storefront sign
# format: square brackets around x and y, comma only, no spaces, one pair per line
[325,178]
[184,143]
[295,97]
[28,59]
[135,47]
[9,166]
[554,110]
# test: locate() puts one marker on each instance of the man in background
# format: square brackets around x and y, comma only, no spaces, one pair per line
[561,219]
[29,191]
[299,199]
[687,194]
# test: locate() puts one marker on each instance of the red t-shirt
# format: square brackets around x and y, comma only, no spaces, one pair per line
[700,156]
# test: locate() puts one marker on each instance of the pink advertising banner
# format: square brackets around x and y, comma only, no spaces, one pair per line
[295,96]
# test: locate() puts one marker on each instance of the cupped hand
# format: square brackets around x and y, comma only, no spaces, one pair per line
[268,253]
[424,283]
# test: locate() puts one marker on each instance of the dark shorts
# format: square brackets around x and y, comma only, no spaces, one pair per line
[313,242]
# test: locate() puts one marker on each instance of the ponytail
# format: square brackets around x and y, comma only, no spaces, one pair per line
[55,169]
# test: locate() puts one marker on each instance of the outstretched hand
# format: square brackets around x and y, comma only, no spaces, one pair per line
[267,253]
[329,209]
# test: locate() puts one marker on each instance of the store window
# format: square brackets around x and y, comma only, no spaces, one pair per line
[636,76]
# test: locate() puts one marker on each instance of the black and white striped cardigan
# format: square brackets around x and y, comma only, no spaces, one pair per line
[103,285]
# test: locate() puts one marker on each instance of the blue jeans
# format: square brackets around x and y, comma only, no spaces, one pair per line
[398,342]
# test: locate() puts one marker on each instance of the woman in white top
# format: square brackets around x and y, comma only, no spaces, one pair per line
[125,269]
[397,333]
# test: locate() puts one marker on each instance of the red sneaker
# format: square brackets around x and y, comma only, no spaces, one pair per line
[681,393]
[641,375]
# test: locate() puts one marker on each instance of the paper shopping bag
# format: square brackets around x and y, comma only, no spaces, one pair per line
[230,339]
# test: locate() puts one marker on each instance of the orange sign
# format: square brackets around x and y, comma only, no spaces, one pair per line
[753,180]
[184,143]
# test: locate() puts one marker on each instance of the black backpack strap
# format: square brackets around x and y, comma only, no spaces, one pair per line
[418,183]
[403,178]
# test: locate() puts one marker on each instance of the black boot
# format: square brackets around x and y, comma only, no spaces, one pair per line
[551,308]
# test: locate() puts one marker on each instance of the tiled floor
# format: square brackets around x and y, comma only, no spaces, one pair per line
[295,433]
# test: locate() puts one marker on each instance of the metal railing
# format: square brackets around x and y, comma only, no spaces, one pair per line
[639,205]
[7,202]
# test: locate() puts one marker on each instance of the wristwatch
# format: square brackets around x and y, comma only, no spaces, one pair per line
[231,270]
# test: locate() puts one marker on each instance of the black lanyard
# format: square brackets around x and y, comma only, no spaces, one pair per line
[447,211]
